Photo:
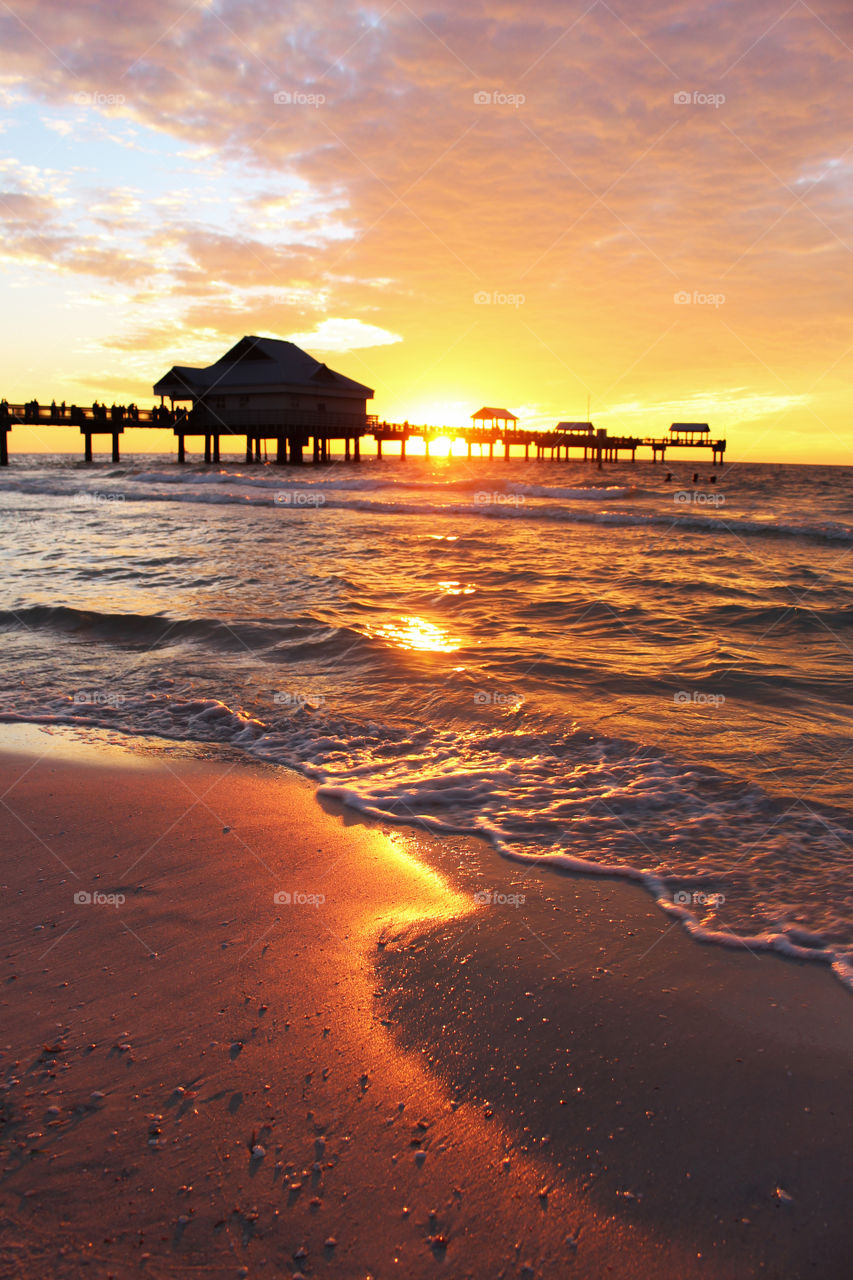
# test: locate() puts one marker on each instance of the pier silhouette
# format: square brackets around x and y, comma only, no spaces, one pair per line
[268,390]
[317,430]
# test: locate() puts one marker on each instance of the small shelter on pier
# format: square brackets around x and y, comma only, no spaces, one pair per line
[579,428]
[491,417]
[690,431]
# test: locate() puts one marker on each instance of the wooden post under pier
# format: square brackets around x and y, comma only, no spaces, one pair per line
[88,431]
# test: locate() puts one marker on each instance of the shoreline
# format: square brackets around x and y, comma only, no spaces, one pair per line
[237,1022]
[341,799]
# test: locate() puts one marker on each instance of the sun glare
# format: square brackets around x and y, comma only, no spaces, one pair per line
[417,634]
[440,448]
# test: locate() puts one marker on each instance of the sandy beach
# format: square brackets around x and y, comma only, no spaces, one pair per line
[246,1034]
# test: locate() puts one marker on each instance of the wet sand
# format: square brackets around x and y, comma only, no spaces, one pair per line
[199,1079]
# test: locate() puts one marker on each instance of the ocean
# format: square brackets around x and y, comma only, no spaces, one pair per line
[604,672]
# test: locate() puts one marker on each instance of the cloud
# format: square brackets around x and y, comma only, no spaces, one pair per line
[723,407]
[582,184]
[338,334]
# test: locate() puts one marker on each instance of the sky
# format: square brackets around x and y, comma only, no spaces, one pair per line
[641,211]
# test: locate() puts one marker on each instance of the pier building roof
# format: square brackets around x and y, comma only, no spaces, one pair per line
[259,364]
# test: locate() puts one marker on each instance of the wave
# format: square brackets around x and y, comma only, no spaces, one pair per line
[301,637]
[293,499]
[723,857]
[779,619]
[376,483]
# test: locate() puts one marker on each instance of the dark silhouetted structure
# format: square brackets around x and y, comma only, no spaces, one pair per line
[264,388]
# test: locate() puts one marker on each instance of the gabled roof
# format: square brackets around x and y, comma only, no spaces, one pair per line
[494,415]
[690,426]
[257,364]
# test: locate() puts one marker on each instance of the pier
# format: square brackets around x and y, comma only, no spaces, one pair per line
[315,430]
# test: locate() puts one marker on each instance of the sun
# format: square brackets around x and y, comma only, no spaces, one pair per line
[440,447]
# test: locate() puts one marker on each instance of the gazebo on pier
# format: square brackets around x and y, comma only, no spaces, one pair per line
[690,431]
[490,417]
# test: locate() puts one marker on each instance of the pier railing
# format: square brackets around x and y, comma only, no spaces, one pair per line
[200,419]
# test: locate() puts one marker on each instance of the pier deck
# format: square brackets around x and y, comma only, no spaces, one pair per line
[320,429]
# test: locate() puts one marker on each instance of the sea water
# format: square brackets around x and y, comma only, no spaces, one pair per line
[612,672]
